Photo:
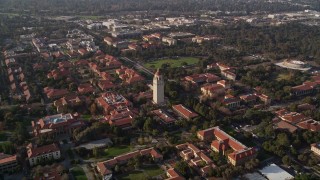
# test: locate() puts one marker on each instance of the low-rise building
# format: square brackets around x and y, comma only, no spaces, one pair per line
[164,117]
[229,75]
[55,125]
[315,147]
[55,93]
[184,112]
[196,158]
[224,141]
[231,101]
[121,118]
[173,175]
[212,90]
[43,153]
[202,78]
[111,101]
[8,163]
[305,89]
[104,168]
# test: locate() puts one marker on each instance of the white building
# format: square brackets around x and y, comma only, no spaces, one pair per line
[316,148]
[43,153]
[158,88]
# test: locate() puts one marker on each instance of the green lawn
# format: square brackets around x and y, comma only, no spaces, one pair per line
[153,170]
[172,62]
[115,151]
[148,171]
[86,117]
[78,173]
[284,76]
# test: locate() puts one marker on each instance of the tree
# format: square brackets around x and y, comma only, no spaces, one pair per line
[95,152]
[182,167]
[93,109]
[282,139]
[286,160]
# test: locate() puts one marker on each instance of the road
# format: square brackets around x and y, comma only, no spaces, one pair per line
[137,65]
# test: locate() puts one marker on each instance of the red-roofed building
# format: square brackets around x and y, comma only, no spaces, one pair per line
[310,125]
[223,142]
[164,117]
[8,163]
[212,90]
[104,168]
[82,51]
[249,98]
[129,76]
[195,158]
[306,88]
[291,117]
[173,175]
[111,101]
[82,62]
[223,67]
[58,73]
[105,85]
[184,112]
[201,78]
[286,126]
[231,101]
[43,153]
[229,75]
[64,64]
[121,118]
[70,100]
[55,93]
[85,89]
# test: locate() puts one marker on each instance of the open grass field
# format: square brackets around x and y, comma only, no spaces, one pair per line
[172,62]
[115,151]
[78,173]
[145,173]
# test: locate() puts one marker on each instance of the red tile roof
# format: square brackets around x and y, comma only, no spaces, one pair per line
[8,159]
[38,151]
[164,116]
[224,141]
[185,112]
[310,124]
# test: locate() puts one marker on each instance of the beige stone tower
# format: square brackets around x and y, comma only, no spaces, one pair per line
[158,88]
